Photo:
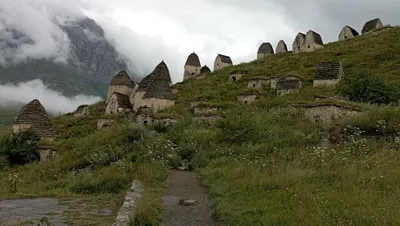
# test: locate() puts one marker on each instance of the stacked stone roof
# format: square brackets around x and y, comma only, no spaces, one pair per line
[285,84]
[328,70]
[281,47]
[264,48]
[123,101]
[225,59]
[144,111]
[35,115]
[315,37]
[371,25]
[205,69]
[193,60]
[122,79]
[161,72]
[145,83]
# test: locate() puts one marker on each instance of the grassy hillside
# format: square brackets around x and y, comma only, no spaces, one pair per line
[264,164]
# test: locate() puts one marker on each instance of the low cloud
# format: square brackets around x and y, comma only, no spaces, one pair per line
[54,102]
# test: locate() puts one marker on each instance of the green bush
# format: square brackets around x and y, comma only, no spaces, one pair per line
[20,148]
[370,88]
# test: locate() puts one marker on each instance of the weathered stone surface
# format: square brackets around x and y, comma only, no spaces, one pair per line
[372,25]
[347,33]
[328,73]
[81,111]
[46,153]
[327,112]
[122,84]
[192,66]
[264,50]
[105,123]
[222,61]
[118,103]
[127,210]
[281,47]
[15,212]
[258,82]
[298,42]
[33,115]
[247,98]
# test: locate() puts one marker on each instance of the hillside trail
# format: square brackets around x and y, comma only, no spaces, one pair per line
[184,185]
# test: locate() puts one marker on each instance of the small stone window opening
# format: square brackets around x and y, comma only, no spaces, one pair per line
[145,122]
[234,78]
[245,101]
[345,37]
[192,73]
[254,85]
[309,46]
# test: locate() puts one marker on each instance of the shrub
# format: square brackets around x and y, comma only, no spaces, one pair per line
[20,148]
[369,88]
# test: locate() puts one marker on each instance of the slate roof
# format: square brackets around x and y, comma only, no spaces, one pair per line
[328,70]
[122,100]
[35,115]
[284,84]
[159,89]
[265,47]
[193,60]
[205,69]
[225,59]
[145,83]
[315,37]
[353,31]
[371,25]
[162,72]
[122,79]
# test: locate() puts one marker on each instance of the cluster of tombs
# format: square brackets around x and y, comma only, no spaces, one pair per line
[308,42]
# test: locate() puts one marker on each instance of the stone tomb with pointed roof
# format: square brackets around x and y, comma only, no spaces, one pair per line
[313,42]
[288,84]
[222,61]
[121,83]
[156,93]
[118,103]
[82,111]
[248,97]
[328,73]
[264,50]
[192,66]
[281,47]
[154,90]
[33,115]
[258,82]
[298,42]
[372,25]
[347,33]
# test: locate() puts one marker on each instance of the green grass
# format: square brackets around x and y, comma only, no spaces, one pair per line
[267,165]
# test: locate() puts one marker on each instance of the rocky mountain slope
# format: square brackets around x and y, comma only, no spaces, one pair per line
[92,63]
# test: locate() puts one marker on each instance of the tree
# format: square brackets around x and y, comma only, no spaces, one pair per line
[20,148]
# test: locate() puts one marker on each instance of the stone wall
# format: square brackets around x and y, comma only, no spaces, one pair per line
[144,119]
[262,55]
[191,72]
[84,112]
[165,121]
[118,89]
[128,208]
[156,104]
[347,33]
[46,153]
[104,123]
[235,77]
[16,128]
[329,113]
[247,99]
[205,110]
[114,108]
[136,100]
[206,119]
[282,92]
[258,84]
[325,83]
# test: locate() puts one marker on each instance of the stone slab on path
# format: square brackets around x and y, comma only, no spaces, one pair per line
[183,185]
[15,212]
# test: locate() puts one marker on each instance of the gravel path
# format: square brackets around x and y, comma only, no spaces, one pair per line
[30,211]
[186,186]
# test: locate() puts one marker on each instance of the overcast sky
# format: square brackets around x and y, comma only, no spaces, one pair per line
[148,31]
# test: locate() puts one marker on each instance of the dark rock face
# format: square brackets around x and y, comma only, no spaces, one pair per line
[92,63]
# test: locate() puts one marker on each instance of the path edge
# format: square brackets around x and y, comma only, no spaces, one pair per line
[127,210]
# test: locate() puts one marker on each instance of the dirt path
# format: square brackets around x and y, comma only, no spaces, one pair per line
[186,185]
